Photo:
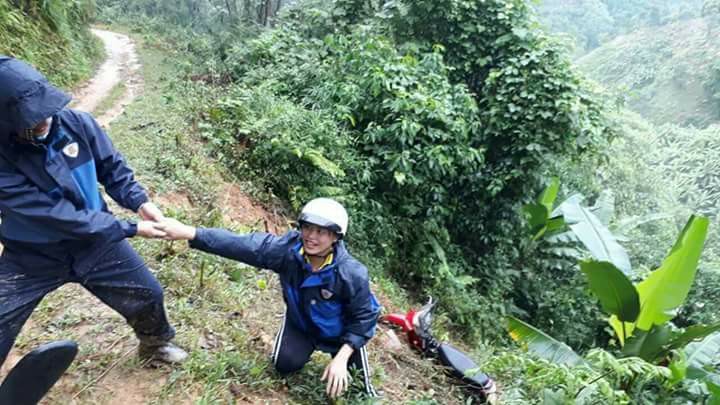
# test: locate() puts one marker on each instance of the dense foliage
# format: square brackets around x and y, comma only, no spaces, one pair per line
[659,75]
[52,35]
[640,314]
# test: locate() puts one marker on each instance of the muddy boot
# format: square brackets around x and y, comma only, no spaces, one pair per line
[165,352]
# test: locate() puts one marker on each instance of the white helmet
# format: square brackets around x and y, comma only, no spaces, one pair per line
[327,213]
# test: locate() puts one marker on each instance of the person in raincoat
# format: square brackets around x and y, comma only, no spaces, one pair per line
[329,305]
[55,226]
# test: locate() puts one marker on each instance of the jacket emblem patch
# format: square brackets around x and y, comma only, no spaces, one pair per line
[71,150]
[326,294]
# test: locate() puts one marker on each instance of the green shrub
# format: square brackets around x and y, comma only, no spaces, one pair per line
[53,36]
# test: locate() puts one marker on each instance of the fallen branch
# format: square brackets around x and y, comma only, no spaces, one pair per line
[112,346]
[104,373]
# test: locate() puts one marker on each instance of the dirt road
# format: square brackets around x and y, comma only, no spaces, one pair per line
[120,68]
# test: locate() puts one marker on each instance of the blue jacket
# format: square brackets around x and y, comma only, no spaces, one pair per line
[50,203]
[334,305]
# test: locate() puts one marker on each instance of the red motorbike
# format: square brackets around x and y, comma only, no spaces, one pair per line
[417,326]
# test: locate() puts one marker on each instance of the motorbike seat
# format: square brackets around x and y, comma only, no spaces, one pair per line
[460,363]
[34,375]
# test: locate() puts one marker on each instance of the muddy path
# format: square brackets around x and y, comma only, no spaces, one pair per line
[121,68]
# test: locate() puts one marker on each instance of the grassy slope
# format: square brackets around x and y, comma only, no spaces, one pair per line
[226,314]
[67,58]
[663,72]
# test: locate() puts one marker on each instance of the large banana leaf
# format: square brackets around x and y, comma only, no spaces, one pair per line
[615,291]
[576,198]
[539,212]
[666,288]
[595,236]
[548,196]
[537,215]
[702,356]
[541,344]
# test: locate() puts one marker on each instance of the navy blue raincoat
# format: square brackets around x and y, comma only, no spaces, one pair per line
[50,204]
[334,305]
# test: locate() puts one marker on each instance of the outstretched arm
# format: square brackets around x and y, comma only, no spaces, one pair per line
[257,249]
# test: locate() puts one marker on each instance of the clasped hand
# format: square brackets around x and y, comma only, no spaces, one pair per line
[156,225]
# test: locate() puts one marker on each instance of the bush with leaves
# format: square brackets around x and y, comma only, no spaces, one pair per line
[299,153]
[53,36]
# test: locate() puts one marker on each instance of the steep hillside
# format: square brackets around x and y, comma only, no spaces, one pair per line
[591,23]
[667,74]
[225,313]
[54,36]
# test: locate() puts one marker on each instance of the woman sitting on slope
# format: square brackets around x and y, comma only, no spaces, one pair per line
[327,293]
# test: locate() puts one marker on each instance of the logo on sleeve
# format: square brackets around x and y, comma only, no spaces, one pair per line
[71,150]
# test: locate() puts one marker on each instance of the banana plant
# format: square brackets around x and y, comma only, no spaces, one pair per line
[664,291]
[639,314]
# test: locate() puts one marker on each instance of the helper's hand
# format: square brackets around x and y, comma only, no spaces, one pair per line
[176,230]
[336,373]
[149,229]
[150,212]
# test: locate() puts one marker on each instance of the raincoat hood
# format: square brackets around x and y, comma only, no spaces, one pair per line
[26,97]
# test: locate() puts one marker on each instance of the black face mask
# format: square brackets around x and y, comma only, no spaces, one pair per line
[28,135]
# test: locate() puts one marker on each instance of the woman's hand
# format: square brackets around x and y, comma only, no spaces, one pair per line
[336,373]
[150,212]
[150,229]
[176,230]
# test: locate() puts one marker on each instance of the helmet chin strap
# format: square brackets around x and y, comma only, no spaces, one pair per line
[323,255]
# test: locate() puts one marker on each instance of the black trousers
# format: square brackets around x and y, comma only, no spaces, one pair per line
[293,348]
[121,280]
